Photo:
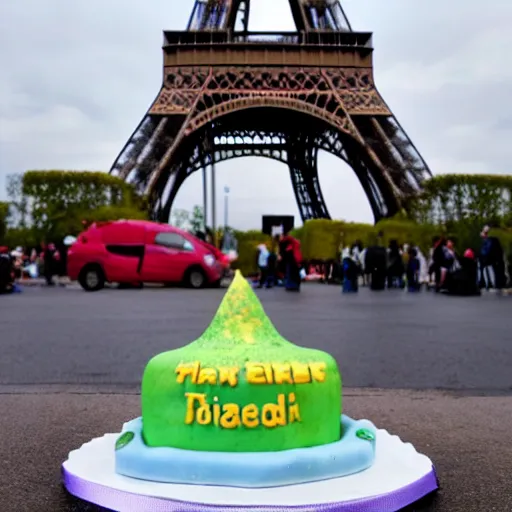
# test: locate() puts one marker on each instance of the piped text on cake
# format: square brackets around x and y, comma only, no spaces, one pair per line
[255,373]
[230,416]
[283,412]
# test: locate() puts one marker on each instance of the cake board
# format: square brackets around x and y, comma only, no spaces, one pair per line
[400,476]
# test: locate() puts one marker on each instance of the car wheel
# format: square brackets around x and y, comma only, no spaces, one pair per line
[195,278]
[92,278]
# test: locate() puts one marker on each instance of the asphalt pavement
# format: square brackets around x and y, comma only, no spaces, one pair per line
[435,370]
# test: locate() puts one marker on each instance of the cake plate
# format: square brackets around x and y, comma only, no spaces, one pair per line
[399,477]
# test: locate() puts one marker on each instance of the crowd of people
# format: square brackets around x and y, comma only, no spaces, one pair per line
[46,260]
[444,268]
[281,264]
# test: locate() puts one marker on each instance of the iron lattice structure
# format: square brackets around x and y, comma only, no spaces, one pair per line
[229,93]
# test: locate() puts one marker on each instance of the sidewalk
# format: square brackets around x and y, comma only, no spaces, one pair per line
[40,281]
[65,282]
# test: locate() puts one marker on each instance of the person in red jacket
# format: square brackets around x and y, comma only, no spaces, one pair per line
[291,256]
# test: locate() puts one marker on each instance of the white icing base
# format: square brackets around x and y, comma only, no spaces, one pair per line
[397,465]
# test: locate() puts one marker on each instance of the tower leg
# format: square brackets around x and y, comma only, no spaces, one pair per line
[302,161]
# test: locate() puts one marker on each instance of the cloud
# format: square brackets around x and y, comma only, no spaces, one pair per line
[78,76]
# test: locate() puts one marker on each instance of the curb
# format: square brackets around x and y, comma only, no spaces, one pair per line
[31,283]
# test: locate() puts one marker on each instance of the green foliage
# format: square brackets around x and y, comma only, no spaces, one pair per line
[70,224]
[248,242]
[473,198]
[17,200]
[197,219]
[21,236]
[51,191]
[321,239]
[180,218]
[189,221]
[56,202]
[406,231]
[298,233]
[4,217]
[105,213]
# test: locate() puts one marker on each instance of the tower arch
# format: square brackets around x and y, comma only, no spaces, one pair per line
[216,74]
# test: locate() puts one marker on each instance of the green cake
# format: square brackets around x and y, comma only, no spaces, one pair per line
[241,387]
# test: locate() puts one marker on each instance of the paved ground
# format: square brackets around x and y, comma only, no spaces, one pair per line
[436,370]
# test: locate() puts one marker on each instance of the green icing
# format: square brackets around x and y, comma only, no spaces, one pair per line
[240,333]
[364,433]
[124,439]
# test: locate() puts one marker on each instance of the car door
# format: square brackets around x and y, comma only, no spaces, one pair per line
[124,249]
[166,258]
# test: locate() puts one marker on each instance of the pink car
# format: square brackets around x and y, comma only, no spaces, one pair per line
[129,251]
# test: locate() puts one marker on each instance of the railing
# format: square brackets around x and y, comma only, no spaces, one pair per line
[317,38]
[262,37]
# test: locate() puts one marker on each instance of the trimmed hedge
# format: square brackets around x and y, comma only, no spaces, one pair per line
[22,237]
[68,224]
[321,239]
[93,189]
[248,242]
[105,213]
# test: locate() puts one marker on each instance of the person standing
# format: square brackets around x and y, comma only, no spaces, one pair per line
[263,255]
[6,271]
[51,259]
[492,261]
[271,268]
[413,270]
[291,256]
[439,264]
[375,264]
[351,270]
[395,266]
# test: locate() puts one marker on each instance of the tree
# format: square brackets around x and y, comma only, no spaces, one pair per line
[474,199]
[197,221]
[56,202]
[4,217]
[17,199]
[180,218]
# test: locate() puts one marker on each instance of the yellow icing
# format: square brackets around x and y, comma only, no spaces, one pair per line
[229,416]
[229,376]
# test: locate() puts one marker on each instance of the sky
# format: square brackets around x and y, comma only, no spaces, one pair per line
[78,76]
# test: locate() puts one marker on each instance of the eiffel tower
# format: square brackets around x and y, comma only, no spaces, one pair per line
[228,92]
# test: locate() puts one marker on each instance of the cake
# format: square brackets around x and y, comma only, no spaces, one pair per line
[243,407]
[242,419]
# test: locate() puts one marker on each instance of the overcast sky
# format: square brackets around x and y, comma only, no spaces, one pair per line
[77,76]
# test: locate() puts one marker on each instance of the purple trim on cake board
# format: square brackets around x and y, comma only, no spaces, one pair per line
[123,501]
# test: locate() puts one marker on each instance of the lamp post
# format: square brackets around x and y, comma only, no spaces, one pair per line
[205,199]
[226,204]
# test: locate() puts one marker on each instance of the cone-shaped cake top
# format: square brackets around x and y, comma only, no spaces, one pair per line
[241,386]
[240,320]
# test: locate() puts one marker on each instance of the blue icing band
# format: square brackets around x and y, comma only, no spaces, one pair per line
[354,452]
